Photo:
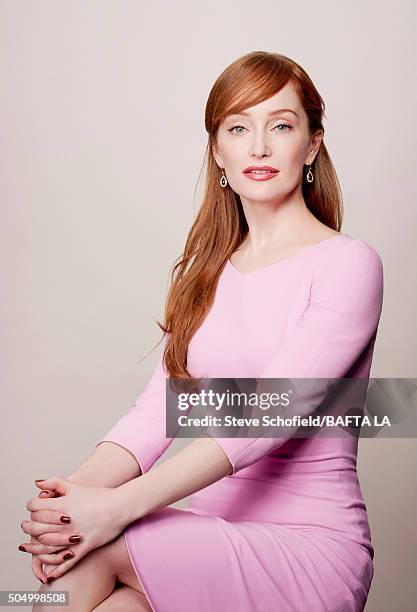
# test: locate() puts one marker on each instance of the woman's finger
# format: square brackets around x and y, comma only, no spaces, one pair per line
[36,548]
[38,571]
[48,493]
[37,529]
[57,483]
[37,566]
[58,558]
[50,516]
[61,569]
[60,539]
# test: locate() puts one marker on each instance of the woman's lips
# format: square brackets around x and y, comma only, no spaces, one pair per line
[261,175]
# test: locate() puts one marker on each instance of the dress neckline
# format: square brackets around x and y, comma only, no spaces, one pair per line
[304,251]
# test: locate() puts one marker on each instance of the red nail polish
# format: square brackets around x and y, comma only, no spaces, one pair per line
[50,578]
[65,518]
[22,548]
[40,479]
[74,539]
[67,556]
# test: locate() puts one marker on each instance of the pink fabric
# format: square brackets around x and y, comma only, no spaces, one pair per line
[288,529]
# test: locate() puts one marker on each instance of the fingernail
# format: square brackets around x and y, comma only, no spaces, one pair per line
[40,479]
[50,578]
[68,555]
[22,548]
[44,493]
[65,518]
[74,539]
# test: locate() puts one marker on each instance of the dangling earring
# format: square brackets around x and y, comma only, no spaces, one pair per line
[223,179]
[310,176]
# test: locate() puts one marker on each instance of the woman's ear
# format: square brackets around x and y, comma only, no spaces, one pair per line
[216,155]
[316,141]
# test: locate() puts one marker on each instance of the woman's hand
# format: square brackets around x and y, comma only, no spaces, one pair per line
[41,551]
[46,556]
[94,515]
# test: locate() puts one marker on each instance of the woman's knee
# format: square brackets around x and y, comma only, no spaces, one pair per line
[124,598]
[98,564]
[104,565]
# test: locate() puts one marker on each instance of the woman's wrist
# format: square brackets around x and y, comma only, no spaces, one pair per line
[130,501]
[122,505]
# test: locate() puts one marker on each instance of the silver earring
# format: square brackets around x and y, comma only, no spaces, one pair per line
[223,179]
[310,176]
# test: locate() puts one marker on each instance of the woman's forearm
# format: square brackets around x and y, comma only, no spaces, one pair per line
[109,465]
[196,466]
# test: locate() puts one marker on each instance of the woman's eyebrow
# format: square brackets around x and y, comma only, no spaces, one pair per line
[271,114]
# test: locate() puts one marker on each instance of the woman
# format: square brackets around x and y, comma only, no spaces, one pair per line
[267,287]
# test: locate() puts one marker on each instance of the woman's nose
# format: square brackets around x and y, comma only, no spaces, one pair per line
[260,146]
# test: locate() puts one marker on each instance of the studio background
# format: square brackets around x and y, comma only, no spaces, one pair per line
[102,113]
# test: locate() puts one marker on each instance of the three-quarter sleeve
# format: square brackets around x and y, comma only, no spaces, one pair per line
[339,323]
[142,429]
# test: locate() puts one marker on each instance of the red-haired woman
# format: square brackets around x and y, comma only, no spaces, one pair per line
[267,287]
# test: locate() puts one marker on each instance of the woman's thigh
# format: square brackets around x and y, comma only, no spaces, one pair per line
[123,568]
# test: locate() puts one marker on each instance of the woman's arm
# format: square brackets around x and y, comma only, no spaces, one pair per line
[130,448]
[142,429]
[99,514]
[109,465]
[134,443]
[198,465]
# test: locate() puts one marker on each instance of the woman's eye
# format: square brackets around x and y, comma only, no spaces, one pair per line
[284,125]
[235,127]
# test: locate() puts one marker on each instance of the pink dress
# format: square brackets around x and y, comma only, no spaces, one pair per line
[288,530]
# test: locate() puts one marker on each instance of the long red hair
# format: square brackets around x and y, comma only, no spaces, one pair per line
[220,226]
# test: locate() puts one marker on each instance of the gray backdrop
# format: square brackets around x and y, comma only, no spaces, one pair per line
[102,113]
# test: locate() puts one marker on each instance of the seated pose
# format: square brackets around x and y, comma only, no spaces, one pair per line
[267,287]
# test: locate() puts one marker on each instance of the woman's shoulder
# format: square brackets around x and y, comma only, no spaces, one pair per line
[349,277]
[348,261]
[349,248]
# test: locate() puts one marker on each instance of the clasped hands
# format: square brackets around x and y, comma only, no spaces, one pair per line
[74,521]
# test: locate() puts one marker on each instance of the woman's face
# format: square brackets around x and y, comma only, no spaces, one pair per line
[267,135]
